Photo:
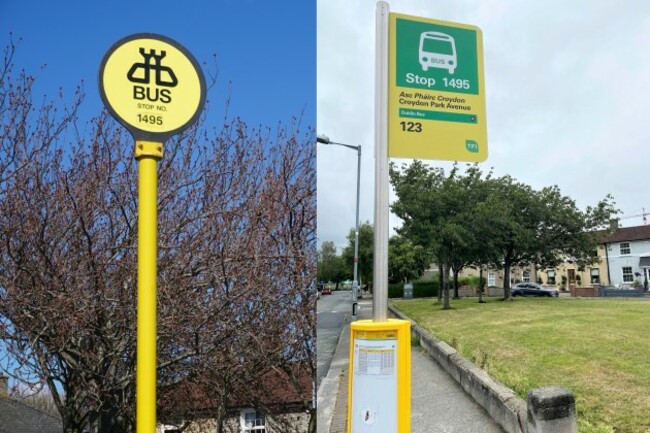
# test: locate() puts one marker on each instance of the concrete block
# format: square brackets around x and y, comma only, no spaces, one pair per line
[416,331]
[503,405]
[427,344]
[443,354]
[551,409]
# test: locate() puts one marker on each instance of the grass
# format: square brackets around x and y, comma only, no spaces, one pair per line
[598,348]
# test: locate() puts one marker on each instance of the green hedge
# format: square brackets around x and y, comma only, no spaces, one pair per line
[421,289]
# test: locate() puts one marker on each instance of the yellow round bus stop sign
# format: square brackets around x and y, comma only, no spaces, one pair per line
[152,85]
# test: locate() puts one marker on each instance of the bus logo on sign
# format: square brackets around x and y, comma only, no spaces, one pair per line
[437,50]
[147,67]
[140,92]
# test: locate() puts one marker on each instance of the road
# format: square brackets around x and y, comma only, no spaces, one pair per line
[333,311]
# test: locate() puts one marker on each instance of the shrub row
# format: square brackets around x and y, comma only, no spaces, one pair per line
[421,289]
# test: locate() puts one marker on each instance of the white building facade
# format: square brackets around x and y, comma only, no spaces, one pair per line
[628,256]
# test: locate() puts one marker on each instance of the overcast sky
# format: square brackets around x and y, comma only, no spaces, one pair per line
[567,94]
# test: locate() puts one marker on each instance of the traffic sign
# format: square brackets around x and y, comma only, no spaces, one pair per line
[436,96]
[152,85]
[155,88]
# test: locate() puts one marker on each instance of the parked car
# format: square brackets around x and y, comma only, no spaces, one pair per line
[326,291]
[532,289]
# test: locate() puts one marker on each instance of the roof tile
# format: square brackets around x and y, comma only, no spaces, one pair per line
[17,417]
[622,234]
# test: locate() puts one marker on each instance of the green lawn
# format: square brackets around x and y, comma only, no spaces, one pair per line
[598,348]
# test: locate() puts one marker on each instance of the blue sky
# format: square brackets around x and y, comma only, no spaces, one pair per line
[265,50]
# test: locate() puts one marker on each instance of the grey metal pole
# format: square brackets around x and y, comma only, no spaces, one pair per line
[355,286]
[380,270]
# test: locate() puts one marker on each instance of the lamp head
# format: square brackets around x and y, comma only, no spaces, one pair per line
[323,139]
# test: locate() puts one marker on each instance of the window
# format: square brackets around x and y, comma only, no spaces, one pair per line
[550,277]
[595,276]
[492,279]
[176,427]
[525,277]
[625,248]
[628,276]
[252,421]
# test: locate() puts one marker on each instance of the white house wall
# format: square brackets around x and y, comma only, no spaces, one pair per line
[617,261]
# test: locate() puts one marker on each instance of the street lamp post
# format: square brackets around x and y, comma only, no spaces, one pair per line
[355,285]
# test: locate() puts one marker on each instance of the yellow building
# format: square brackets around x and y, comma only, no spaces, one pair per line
[564,277]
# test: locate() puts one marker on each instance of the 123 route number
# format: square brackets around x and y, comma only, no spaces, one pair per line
[411,126]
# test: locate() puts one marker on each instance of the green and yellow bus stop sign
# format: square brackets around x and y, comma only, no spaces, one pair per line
[436,90]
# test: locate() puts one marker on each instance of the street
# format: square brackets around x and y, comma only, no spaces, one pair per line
[333,311]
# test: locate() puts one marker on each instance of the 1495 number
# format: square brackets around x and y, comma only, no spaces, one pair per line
[150,118]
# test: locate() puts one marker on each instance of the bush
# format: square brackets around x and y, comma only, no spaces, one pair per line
[396,290]
[471,280]
[421,289]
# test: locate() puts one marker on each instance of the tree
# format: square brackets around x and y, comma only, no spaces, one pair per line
[330,266]
[366,253]
[470,219]
[543,227]
[422,209]
[236,259]
[405,260]
[484,216]
[462,195]
[434,209]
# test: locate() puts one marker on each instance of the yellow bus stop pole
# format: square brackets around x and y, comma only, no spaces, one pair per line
[147,154]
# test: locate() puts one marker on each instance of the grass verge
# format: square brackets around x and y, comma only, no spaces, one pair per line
[598,348]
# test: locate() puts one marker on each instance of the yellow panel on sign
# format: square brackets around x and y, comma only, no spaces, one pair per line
[436,90]
[152,85]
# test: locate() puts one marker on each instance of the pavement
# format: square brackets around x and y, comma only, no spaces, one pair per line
[438,403]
